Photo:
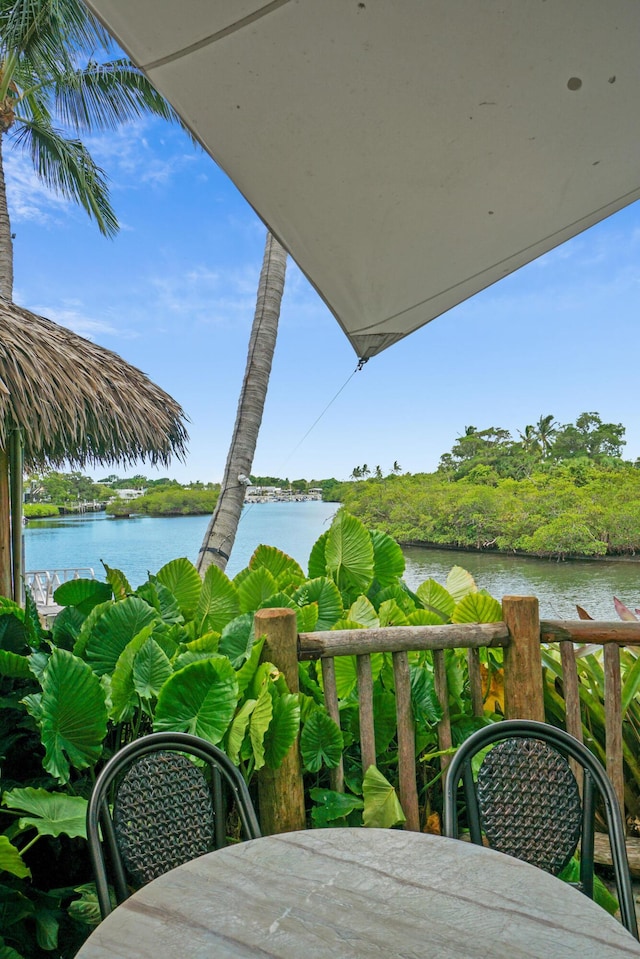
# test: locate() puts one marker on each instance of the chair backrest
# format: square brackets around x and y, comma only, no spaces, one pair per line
[524,800]
[157,809]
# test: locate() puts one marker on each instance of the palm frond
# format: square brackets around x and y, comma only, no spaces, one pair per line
[66,166]
[105,95]
[48,31]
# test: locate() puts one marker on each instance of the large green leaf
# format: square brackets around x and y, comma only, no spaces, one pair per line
[403,596]
[199,699]
[349,553]
[424,701]
[236,640]
[257,587]
[391,614]
[424,617]
[326,594]
[363,612]
[332,805]
[460,583]
[321,742]
[86,629]
[317,561]
[74,715]
[11,860]
[307,617]
[122,688]
[85,593]
[218,603]
[382,809]
[182,579]
[35,630]
[51,814]
[14,666]
[435,598]
[477,608]
[118,582]
[67,626]
[162,600]
[283,728]
[246,674]
[151,670]
[384,718]
[388,558]
[261,716]
[116,627]
[238,730]
[283,568]
[14,633]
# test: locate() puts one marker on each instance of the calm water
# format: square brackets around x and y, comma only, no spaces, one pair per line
[144,544]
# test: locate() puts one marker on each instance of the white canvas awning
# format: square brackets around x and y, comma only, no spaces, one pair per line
[407,153]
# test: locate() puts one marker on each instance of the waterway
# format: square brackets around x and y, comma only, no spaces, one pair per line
[144,544]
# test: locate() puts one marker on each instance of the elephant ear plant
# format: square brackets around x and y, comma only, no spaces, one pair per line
[179,653]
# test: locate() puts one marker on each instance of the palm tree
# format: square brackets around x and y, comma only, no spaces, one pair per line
[54,70]
[396,468]
[546,430]
[221,532]
[530,442]
[57,84]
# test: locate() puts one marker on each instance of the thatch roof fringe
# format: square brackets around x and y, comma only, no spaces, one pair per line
[76,402]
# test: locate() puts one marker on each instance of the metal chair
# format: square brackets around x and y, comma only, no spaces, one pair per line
[524,800]
[164,810]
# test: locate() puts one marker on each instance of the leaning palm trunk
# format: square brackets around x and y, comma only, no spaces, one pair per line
[11,558]
[221,532]
[6,241]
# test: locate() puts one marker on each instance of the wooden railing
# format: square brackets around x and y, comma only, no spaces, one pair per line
[521,636]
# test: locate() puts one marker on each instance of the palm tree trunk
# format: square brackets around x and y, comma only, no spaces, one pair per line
[221,532]
[6,240]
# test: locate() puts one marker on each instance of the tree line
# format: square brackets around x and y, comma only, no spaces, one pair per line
[558,490]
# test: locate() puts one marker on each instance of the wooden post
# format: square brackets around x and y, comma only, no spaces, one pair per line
[280,791]
[523,690]
[16,496]
[5,527]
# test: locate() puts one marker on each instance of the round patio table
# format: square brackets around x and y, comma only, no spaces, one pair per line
[365,893]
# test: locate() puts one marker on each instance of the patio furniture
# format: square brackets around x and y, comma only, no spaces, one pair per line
[524,800]
[365,893]
[157,809]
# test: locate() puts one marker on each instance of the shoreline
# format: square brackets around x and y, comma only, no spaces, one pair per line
[518,554]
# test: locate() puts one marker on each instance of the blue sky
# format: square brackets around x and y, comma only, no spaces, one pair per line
[174,294]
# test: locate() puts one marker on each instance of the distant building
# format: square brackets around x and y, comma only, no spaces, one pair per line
[127,494]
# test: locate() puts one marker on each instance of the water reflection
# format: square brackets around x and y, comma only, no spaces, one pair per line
[559,586]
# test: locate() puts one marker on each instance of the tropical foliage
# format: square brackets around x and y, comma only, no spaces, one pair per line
[577,508]
[179,653]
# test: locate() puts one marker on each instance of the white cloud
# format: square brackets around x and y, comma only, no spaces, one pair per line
[28,197]
[72,315]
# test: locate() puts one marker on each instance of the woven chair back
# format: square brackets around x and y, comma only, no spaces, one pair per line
[163,815]
[530,803]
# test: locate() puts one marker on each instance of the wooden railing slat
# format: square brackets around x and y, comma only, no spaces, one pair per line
[475,682]
[442,692]
[336,775]
[392,639]
[573,717]
[613,720]
[590,631]
[365,699]
[407,783]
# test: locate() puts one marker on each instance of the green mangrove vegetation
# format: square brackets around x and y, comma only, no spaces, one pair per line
[557,491]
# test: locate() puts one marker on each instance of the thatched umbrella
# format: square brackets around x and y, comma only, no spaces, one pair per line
[63,400]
